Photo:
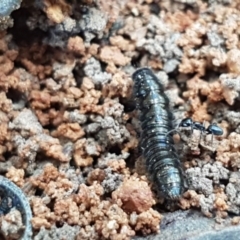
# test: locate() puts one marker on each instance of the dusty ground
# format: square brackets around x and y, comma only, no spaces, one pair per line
[68,137]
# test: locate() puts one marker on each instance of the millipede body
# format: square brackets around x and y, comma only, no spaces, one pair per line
[161,159]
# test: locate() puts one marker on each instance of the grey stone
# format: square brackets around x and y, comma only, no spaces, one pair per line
[192,225]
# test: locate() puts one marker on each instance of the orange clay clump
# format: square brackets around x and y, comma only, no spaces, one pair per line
[111,222]
[180,20]
[66,210]
[80,156]
[4,133]
[235,221]
[233,59]
[134,195]
[5,103]
[41,99]
[96,175]
[213,91]
[56,11]
[118,165]
[43,217]
[52,148]
[189,199]
[228,151]
[76,45]
[121,43]
[148,222]
[113,55]
[16,176]
[220,204]
[11,225]
[90,98]
[54,183]
[70,131]
[120,85]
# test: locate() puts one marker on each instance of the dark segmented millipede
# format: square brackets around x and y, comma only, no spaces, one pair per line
[162,162]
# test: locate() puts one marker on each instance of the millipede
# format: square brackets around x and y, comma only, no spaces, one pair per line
[162,162]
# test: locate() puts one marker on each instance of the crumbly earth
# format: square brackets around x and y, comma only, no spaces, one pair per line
[68,135]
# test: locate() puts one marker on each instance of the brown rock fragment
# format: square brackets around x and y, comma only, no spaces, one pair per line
[76,45]
[55,184]
[67,210]
[148,222]
[190,198]
[233,59]
[39,222]
[122,43]
[113,55]
[55,13]
[16,176]
[236,221]
[40,99]
[71,131]
[135,195]
[11,225]
[53,148]
[96,175]
[43,217]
